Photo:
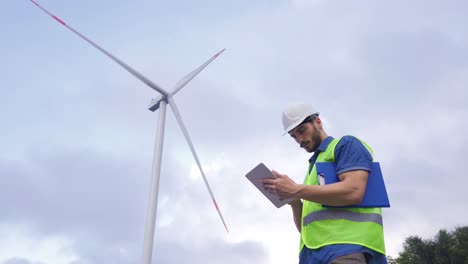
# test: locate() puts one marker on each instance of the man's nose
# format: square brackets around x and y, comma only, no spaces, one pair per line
[299,140]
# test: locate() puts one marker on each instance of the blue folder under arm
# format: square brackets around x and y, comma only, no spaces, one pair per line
[376,193]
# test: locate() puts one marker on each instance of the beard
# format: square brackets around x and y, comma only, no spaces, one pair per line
[314,142]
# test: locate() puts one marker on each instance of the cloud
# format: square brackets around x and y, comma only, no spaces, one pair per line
[98,203]
[217,251]
[19,261]
[78,140]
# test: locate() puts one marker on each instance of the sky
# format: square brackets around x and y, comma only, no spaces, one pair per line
[77,138]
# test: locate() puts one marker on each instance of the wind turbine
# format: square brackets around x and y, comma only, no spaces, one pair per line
[166,98]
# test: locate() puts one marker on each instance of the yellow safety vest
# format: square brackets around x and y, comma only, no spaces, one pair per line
[327,226]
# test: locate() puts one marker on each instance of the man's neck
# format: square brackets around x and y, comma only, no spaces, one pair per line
[323,136]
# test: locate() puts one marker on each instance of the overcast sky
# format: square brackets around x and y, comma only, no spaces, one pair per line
[77,138]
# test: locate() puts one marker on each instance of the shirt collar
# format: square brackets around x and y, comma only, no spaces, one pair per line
[322,147]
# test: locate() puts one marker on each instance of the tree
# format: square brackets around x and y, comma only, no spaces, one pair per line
[445,248]
[460,249]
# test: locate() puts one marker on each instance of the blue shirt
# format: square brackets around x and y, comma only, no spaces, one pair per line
[350,154]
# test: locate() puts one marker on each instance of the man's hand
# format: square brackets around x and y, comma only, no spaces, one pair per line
[282,185]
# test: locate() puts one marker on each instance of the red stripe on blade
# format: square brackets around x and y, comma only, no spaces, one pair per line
[217,54]
[59,20]
[216,205]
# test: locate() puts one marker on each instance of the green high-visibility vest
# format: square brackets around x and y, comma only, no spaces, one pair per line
[327,226]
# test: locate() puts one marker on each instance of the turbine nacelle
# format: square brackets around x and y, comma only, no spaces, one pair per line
[156,102]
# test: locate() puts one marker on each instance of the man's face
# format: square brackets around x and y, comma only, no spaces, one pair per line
[307,135]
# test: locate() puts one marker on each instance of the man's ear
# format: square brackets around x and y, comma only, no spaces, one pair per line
[318,122]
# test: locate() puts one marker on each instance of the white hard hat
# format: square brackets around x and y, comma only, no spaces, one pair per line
[294,114]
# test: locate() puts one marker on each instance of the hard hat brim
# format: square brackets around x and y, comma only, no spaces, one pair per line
[291,127]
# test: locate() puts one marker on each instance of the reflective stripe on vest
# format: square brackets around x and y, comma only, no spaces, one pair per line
[332,214]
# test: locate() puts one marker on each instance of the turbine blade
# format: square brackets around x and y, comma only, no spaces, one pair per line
[121,63]
[194,73]
[192,148]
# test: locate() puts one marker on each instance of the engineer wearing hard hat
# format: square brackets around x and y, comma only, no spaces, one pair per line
[330,235]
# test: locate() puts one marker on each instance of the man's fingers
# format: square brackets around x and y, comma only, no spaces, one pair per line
[272,191]
[277,174]
[268,181]
[270,188]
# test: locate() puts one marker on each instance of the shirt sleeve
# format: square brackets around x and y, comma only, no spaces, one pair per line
[351,154]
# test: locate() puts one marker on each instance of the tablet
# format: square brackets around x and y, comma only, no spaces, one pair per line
[261,172]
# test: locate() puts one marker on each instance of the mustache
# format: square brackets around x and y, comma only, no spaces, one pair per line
[305,143]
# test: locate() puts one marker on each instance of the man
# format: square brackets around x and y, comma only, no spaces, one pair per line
[330,235]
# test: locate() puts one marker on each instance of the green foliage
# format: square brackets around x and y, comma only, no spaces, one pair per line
[445,248]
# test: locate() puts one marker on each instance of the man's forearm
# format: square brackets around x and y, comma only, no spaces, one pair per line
[350,190]
[337,194]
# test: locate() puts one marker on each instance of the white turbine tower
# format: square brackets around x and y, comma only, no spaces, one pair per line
[159,103]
